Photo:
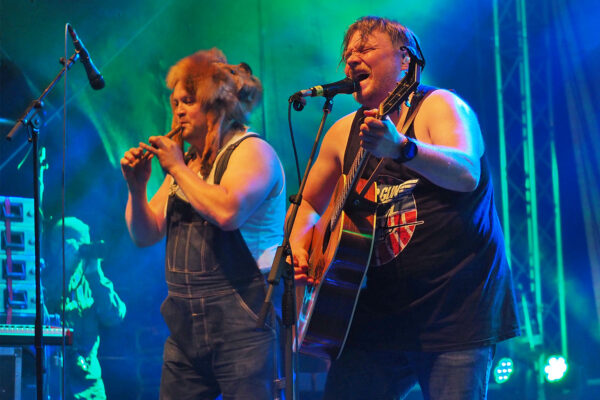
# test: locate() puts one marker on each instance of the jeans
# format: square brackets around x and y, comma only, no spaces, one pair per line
[452,375]
[215,347]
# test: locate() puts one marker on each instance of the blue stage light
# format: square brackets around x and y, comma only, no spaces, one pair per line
[503,370]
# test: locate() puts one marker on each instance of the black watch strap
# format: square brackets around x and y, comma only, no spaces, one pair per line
[408,150]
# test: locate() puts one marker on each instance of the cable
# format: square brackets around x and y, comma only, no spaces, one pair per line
[293,141]
[63,255]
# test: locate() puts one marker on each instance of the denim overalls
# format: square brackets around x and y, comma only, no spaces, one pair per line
[215,294]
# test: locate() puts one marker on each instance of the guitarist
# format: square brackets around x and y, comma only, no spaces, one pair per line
[439,293]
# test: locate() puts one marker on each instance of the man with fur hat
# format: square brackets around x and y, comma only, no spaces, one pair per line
[221,207]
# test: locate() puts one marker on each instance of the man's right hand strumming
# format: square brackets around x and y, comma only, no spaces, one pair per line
[300,258]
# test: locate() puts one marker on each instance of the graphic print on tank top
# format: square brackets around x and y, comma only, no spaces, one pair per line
[396,218]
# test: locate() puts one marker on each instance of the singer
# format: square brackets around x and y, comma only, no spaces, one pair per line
[439,292]
[221,208]
[90,304]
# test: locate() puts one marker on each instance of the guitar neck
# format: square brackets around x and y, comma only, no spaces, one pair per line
[352,177]
[405,87]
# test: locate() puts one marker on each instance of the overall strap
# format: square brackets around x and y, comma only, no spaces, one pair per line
[224,159]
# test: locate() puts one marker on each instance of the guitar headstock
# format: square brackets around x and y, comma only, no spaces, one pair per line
[405,87]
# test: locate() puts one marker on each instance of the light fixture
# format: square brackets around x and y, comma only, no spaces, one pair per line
[556,367]
[503,370]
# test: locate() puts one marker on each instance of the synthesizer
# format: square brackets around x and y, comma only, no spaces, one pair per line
[21,335]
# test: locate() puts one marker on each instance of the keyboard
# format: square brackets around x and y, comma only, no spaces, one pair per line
[25,335]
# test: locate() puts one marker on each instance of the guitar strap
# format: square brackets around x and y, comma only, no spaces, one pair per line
[422,92]
[418,98]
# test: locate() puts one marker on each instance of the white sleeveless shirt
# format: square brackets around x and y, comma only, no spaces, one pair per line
[263,230]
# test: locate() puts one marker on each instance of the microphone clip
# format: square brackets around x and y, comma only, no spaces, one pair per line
[298,101]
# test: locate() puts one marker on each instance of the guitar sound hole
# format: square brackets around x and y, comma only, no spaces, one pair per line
[326,237]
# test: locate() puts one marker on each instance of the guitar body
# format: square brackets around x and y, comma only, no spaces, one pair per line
[338,263]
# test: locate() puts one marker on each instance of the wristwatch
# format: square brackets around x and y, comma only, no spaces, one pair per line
[408,150]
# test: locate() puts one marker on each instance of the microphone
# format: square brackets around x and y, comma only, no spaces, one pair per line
[96,80]
[92,250]
[346,86]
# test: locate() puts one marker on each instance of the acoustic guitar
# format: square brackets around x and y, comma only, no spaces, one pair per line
[341,247]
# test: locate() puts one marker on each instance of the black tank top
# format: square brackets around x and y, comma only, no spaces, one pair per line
[439,278]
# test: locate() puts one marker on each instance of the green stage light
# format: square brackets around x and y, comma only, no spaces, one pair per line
[503,370]
[556,368]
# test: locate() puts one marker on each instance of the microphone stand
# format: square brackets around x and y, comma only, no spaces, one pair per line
[282,268]
[32,120]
